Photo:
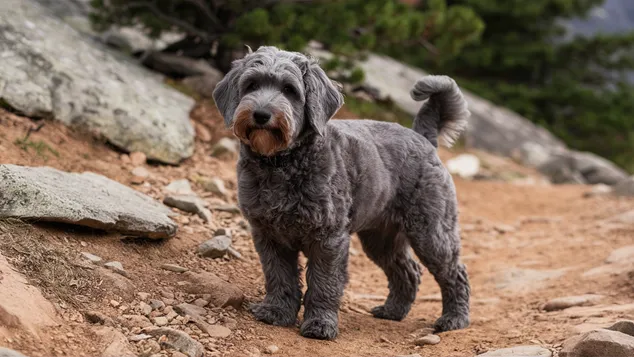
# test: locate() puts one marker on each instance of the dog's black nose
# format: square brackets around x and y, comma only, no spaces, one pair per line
[261,117]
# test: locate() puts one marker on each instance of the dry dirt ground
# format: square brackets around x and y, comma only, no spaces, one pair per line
[524,242]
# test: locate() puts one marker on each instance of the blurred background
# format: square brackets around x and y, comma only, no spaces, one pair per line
[121,90]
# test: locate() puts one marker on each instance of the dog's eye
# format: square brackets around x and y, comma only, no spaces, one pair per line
[252,87]
[289,90]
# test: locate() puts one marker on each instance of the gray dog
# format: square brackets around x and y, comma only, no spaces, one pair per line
[306,184]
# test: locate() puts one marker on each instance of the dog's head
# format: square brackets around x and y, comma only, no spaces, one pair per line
[271,97]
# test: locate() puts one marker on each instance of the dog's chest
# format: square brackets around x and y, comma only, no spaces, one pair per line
[289,204]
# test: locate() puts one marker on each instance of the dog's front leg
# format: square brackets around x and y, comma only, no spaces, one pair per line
[326,276]
[281,273]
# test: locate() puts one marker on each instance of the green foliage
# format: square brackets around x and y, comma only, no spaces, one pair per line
[349,28]
[41,148]
[574,88]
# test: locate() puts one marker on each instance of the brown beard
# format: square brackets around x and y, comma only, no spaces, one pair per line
[265,141]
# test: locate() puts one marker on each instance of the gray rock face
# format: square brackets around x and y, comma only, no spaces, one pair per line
[581,167]
[49,69]
[86,199]
[5,352]
[599,343]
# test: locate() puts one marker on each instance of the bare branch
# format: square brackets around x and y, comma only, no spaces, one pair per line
[202,6]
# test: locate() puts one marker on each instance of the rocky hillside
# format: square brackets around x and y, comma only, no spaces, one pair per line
[120,234]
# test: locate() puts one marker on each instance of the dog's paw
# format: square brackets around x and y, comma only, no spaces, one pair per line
[321,329]
[387,313]
[450,322]
[273,315]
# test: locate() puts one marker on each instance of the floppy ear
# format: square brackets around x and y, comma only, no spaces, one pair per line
[226,94]
[323,98]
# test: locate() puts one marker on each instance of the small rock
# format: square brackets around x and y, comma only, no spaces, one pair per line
[157,304]
[190,310]
[234,253]
[230,323]
[137,158]
[599,343]
[465,165]
[178,340]
[215,331]
[161,321]
[167,294]
[519,351]
[201,302]
[139,337]
[143,296]
[225,146]
[570,301]
[202,133]
[96,317]
[222,232]
[189,203]
[428,340]
[116,343]
[116,267]
[623,326]
[215,248]
[221,293]
[179,187]
[227,208]
[173,267]
[91,257]
[5,352]
[271,350]
[215,185]
[132,321]
[144,308]
[139,174]
[600,189]
[114,303]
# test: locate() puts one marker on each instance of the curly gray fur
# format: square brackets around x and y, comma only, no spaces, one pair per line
[378,179]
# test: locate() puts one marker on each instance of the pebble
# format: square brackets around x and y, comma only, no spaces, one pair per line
[428,340]
[222,232]
[137,158]
[114,303]
[173,267]
[190,310]
[272,349]
[178,340]
[96,317]
[161,321]
[167,294]
[117,267]
[157,304]
[215,185]
[139,337]
[143,296]
[91,257]
[201,302]
[179,187]
[215,248]
[570,301]
[224,146]
[144,308]
[234,253]
[504,228]
[465,165]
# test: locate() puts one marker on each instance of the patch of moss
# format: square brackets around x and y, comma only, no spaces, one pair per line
[40,147]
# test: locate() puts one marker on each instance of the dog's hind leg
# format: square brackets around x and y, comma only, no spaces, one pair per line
[281,273]
[390,251]
[438,248]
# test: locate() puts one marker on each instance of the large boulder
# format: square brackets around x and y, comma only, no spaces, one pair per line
[88,199]
[581,167]
[599,343]
[48,69]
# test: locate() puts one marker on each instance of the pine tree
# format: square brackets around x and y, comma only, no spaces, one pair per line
[574,87]
[218,30]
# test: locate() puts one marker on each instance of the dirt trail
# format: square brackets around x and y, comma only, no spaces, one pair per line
[523,245]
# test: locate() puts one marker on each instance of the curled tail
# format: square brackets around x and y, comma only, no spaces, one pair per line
[444,114]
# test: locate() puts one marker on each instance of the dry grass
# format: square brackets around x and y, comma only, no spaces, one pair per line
[41,257]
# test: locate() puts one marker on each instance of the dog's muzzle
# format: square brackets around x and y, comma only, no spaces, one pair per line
[265,132]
